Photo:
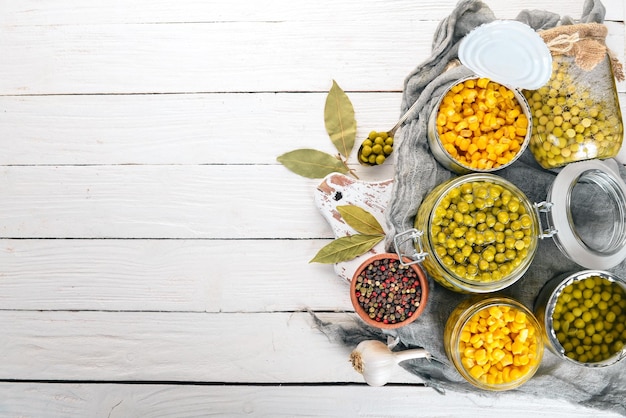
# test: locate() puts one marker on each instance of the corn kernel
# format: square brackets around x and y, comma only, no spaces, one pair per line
[517,347]
[522,336]
[516,373]
[482,82]
[476,371]
[520,317]
[507,360]
[468,363]
[498,355]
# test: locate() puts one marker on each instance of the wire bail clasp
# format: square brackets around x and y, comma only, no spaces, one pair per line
[418,255]
[545,207]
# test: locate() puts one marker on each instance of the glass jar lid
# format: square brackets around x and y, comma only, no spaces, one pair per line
[588,213]
[508,52]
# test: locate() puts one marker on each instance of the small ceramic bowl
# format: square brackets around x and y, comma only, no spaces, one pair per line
[583,317]
[386,294]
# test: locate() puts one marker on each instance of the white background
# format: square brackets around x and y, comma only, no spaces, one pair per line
[153,253]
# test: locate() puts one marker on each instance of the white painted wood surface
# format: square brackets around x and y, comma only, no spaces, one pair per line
[153,254]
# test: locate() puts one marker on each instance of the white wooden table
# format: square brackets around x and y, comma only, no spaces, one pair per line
[153,253]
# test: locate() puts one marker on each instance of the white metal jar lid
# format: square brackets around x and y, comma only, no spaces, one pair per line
[508,52]
[604,175]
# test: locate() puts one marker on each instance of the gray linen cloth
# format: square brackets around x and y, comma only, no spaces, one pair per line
[417,172]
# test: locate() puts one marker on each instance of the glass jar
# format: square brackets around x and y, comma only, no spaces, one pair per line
[479,233]
[479,126]
[576,116]
[593,338]
[494,343]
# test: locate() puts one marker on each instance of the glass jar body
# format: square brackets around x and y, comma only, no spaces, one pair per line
[480,233]
[512,365]
[576,116]
[552,308]
[479,126]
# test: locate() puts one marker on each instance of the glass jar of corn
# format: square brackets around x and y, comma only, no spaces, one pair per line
[479,125]
[495,343]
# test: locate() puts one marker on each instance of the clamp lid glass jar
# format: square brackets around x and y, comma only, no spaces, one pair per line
[478,233]
[576,114]
[475,233]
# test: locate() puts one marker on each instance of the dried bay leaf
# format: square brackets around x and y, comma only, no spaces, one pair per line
[312,163]
[361,220]
[346,248]
[339,120]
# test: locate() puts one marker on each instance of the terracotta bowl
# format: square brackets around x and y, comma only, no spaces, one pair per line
[399,297]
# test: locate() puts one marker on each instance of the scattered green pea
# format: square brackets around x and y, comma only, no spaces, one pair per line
[376,148]
[591,332]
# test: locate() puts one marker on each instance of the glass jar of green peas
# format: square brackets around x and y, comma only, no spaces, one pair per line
[576,115]
[477,233]
[583,317]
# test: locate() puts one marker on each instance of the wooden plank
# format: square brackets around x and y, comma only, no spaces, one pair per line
[125,400]
[168,275]
[216,57]
[247,128]
[206,57]
[180,128]
[174,346]
[33,12]
[130,201]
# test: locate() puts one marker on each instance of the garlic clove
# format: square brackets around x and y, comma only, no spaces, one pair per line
[375,361]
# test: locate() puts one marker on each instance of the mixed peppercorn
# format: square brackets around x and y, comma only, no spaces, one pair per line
[388,292]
